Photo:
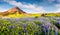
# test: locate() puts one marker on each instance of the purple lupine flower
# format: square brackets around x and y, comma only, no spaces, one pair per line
[11,27]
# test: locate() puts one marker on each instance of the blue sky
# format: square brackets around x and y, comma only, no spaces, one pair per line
[31,6]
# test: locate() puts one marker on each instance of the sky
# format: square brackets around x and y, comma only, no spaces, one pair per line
[31,6]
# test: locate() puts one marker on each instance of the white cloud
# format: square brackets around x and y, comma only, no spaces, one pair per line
[58,8]
[57,5]
[29,8]
[54,0]
[58,1]
[51,1]
[3,9]
[32,8]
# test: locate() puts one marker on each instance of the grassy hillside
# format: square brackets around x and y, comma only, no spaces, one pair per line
[52,14]
[16,15]
[23,15]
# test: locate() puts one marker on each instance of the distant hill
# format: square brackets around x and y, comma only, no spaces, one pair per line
[51,15]
[16,12]
[12,11]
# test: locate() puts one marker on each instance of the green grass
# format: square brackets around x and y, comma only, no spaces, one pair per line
[22,28]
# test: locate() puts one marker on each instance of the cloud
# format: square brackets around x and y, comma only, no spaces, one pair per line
[29,8]
[33,8]
[58,8]
[52,1]
[57,5]
[58,1]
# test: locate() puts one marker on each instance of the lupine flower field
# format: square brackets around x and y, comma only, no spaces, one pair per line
[30,26]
